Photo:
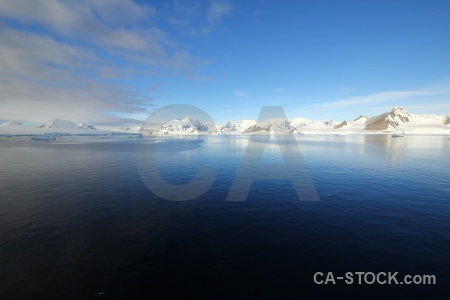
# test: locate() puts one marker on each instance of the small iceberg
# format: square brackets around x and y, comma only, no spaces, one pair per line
[44,137]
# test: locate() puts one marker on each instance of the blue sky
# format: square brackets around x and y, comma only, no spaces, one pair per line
[114,61]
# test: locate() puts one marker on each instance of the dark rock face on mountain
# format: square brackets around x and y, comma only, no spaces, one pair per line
[342,124]
[393,118]
[255,128]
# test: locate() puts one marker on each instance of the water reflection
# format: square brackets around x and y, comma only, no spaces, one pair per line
[394,150]
[259,157]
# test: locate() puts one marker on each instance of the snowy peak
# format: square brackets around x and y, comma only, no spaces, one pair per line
[12,123]
[356,125]
[191,120]
[398,115]
[65,125]
[390,120]
[277,125]
[60,124]
[236,127]
[315,126]
[176,126]
[361,118]
[257,129]
[340,125]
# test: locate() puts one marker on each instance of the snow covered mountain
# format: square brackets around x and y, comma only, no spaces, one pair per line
[55,126]
[280,125]
[393,121]
[12,127]
[177,126]
[396,120]
[284,126]
[389,120]
[236,127]
[311,127]
[65,126]
[356,125]
[13,123]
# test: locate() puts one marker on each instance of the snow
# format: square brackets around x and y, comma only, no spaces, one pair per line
[316,127]
[236,127]
[13,123]
[66,126]
[177,126]
[55,126]
[300,121]
[398,120]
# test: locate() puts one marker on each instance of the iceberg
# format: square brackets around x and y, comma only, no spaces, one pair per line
[44,137]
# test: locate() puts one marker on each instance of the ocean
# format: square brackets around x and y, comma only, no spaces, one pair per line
[87,217]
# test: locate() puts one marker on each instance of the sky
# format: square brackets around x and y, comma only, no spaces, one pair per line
[113,62]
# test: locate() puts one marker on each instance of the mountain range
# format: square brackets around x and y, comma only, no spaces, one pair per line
[393,121]
[396,120]
[56,126]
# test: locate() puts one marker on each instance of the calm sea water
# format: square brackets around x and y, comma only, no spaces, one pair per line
[77,220]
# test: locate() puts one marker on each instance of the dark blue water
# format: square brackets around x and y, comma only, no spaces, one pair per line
[77,220]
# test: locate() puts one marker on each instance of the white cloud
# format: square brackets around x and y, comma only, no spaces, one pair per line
[426,99]
[390,96]
[437,109]
[197,19]
[85,16]
[69,59]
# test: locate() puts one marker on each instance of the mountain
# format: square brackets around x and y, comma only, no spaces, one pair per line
[257,129]
[66,126]
[12,123]
[284,126]
[358,122]
[55,126]
[311,127]
[398,119]
[236,127]
[278,125]
[395,120]
[177,126]
[12,127]
[357,125]
[390,120]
